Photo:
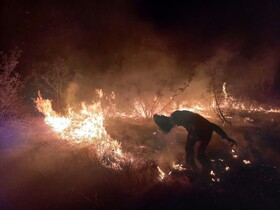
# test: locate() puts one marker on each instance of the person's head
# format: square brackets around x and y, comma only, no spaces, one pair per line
[163,122]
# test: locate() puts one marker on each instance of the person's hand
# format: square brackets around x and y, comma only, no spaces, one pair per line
[232,142]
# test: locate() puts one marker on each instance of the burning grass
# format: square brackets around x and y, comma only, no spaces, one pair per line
[42,171]
[85,126]
[88,159]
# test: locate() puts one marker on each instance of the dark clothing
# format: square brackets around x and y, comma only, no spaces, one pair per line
[200,131]
[196,124]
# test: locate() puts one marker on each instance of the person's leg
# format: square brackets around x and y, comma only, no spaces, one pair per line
[197,160]
[201,156]
[189,150]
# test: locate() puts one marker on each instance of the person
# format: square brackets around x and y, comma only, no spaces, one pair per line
[199,135]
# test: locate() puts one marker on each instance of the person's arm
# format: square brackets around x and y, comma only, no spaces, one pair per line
[222,133]
[231,142]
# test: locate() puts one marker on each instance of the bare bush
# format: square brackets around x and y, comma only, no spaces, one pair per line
[10,83]
[53,77]
[218,96]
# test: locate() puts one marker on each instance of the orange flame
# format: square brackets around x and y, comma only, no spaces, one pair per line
[85,126]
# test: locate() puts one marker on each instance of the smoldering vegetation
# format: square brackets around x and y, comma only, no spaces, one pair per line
[143,57]
[38,170]
[42,171]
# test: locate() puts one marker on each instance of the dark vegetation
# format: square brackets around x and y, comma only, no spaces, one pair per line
[39,171]
[155,53]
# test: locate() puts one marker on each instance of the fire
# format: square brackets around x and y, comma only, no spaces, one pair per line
[212,173]
[214,178]
[233,103]
[225,91]
[146,108]
[87,124]
[198,108]
[234,155]
[161,175]
[84,126]
[140,108]
[99,92]
[178,167]
[246,162]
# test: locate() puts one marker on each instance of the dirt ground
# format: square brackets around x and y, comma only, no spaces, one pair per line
[40,171]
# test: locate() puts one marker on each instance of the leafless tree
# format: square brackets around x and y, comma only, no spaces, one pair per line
[215,89]
[53,77]
[10,82]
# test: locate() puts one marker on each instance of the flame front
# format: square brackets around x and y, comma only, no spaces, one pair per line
[84,126]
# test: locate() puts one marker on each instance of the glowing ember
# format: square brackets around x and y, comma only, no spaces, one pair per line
[178,167]
[246,162]
[225,91]
[161,174]
[234,155]
[214,178]
[99,92]
[84,126]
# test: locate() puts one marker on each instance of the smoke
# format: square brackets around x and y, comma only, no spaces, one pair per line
[137,51]
[145,49]
[142,44]
[71,93]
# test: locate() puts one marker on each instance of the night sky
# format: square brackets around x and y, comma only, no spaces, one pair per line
[94,35]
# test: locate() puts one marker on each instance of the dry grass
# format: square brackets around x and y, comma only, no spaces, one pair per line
[39,171]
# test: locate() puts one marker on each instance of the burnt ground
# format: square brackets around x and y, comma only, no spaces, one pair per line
[39,171]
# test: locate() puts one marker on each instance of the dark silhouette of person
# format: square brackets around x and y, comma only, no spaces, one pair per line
[199,135]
